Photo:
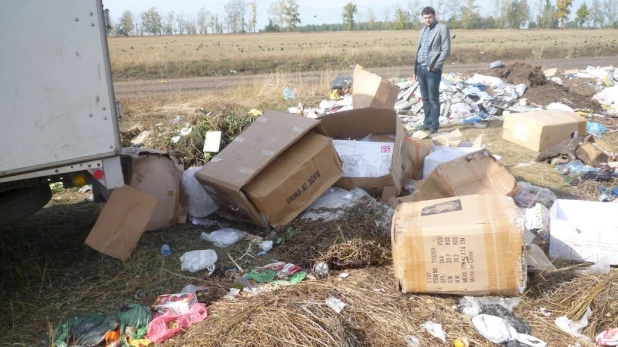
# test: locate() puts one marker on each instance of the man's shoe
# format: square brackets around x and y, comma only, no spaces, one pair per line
[433,132]
[425,128]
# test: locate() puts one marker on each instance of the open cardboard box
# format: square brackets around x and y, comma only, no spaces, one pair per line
[273,170]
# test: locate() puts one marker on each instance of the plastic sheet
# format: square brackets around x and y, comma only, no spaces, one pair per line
[225,237]
[529,195]
[199,260]
[200,203]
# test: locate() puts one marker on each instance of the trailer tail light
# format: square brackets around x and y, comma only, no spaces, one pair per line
[80,180]
[98,174]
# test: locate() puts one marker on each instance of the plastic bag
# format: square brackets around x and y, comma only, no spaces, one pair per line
[595,128]
[574,328]
[537,220]
[497,330]
[529,195]
[333,199]
[225,237]
[336,304]
[86,330]
[496,64]
[473,306]
[342,83]
[134,321]
[200,203]
[576,167]
[199,260]
[165,326]
[435,330]
[608,338]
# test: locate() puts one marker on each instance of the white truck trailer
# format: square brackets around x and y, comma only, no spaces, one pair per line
[58,115]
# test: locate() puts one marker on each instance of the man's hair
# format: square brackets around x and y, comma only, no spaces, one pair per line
[428,10]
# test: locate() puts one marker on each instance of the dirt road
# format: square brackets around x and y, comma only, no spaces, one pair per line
[144,88]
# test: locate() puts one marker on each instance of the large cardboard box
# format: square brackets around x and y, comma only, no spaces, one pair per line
[468,245]
[159,175]
[371,90]
[273,170]
[357,124]
[583,231]
[539,130]
[474,173]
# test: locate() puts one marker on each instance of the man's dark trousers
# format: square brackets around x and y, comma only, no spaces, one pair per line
[429,83]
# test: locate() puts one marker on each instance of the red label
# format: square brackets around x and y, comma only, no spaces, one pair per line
[385,149]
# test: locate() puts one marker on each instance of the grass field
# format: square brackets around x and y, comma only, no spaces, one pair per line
[209,55]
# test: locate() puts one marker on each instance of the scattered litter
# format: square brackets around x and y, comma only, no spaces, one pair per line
[85,189]
[496,64]
[461,342]
[212,142]
[336,304]
[200,204]
[141,138]
[176,303]
[195,261]
[205,222]
[497,330]
[544,312]
[169,324]
[574,328]
[529,195]
[190,288]
[537,220]
[343,275]
[224,238]
[186,130]
[254,112]
[557,106]
[321,268]
[175,139]
[266,246]
[602,267]
[608,338]
[234,292]
[342,83]
[412,341]
[288,94]
[165,250]
[595,128]
[435,330]
[473,306]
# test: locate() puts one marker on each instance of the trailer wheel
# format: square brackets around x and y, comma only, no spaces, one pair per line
[21,203]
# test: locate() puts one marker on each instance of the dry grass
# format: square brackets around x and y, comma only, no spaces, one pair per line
[210,55]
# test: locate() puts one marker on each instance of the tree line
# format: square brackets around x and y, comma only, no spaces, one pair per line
[240,16]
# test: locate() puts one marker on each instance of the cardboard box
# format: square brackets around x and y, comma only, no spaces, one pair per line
[364,158]
[595,151]
[414,153]
[357,124]
[121,223]
[474,173]
[539,130]
[455,139]
[371,90]
[468,245]
[583,231]
[176,303]
[159,175]
[273,170]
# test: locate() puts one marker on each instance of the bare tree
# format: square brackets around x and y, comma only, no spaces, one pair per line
[277,12]
[180,23]
[190,26]
[202,17]
[371,18]
[387,18]
[236,11]
[168,27]
[253,20]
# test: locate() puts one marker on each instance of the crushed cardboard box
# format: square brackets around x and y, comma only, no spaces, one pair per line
[159,175]
[455,139]
[539,130]
[273,170]
[474,173]
[371,90]
[417,153]
[595,151]
[583,231]
[357,124]
[468,245]
[122,222]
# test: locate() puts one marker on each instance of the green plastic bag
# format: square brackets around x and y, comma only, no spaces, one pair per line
[134,321]
[88,329]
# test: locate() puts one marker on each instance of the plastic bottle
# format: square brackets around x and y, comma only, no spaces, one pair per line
[165,250]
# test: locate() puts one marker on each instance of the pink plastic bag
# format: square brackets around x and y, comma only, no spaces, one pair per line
[159,328]
[608,338]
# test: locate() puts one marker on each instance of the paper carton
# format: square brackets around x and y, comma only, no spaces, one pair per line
[357,124]
[468,245]
[595,151]
[159,175]
[583,231]
[539,130]
[121,223]
[273,170]
[474,173]
[371,90]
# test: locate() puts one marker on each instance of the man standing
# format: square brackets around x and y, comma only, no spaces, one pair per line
[434,46]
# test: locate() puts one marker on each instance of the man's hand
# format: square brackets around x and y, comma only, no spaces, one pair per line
[432,69]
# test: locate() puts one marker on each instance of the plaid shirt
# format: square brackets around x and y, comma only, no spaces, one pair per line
[424,49]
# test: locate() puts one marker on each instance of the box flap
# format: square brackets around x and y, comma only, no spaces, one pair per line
[371,90]
[475,173]
[255,148]
[355,124]
[550,117]
[122,222]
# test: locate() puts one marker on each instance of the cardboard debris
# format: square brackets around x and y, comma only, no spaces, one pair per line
[122,222]
[583,231]
[475,173]
[594,152]
[388,195]
[362,159]
[420,135]
[414,158]
[550,72]
[273,170]
[371,90]
[159,175]
[455,139]
[539,130]
[468,245]
[444,154]
[212,143]
[357,124]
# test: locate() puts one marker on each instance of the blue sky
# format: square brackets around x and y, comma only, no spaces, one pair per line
[325,11]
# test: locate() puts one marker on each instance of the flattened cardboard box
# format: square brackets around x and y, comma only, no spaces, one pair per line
[539,130]
[595,152]
[273,170]
[371,90]
[357,124]
[468,245]
[122,222]
[157,174]
[475,173]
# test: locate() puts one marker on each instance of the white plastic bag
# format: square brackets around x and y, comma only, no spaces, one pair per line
[498,330]
[200,203]
[435,329]
[199,260]
[574,328]
[225,237]
[336,304]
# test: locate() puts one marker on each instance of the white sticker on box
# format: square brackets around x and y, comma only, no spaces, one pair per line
[365,159]
[520,132]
